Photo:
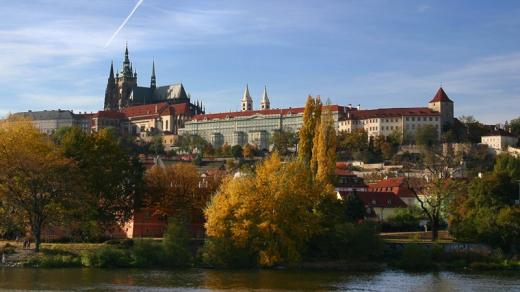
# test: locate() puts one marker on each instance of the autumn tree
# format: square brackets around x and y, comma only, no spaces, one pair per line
[325,149]
[306,133]
[36,180]
[249,151]
[269,213]
[316,139]
[177,191]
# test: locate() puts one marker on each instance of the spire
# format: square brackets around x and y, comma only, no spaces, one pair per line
[153,82]
[126,53]
[111,75]
[247,101]
[247,96]
[265,100]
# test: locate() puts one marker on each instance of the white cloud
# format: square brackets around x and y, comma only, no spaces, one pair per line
[423,8]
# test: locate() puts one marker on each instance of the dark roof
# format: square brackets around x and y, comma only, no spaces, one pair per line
[109,115]
[47,115]
[391,112]
[145,95]
[378,199]
[498,132]
[282,111]
[441,96]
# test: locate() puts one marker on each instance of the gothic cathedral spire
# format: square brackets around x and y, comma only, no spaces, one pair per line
[153,82]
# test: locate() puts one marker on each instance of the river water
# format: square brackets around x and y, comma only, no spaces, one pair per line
[263,280]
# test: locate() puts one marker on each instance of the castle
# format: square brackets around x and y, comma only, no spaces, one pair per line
[122,90]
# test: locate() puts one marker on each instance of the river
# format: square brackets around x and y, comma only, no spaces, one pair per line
[264,280]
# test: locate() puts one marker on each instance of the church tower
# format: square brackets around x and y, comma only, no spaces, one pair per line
[126,81]
[247,101]
[265,100]
[153,82]
[111,90]
[444,105]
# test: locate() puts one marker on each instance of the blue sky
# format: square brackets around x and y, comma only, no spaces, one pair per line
[385,53]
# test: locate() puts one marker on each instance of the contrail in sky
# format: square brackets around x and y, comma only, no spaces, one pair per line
[124,23]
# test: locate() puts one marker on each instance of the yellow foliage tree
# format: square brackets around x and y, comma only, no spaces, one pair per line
[306,133]
[326,149]
[248,151]
[315,141]
[35,177]
[270,212]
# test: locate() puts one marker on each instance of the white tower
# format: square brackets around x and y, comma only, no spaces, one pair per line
[265,100]
[247,101]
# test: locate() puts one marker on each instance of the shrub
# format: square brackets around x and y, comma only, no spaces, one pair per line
[53,261]
[147,253]
[416,257]
[107,257]
[176,245]
[222,253]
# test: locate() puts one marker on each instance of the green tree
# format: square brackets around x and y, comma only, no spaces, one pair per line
[283,141]
[114,180]
[236,151]
[156,145]
[514,126]
[190,143]
[426,135]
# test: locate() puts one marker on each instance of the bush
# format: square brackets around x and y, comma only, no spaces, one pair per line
[147,253]
[176,245]
[222,253]
[107,257]
[7,249]
[406,219]
[416,257]
[53,261]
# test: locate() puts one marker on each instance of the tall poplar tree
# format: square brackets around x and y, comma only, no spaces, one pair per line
[315,141]
[306,133]
[326,148]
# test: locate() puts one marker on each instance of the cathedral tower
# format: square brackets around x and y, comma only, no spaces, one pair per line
[111,90]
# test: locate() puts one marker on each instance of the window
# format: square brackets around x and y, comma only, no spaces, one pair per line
[413,119]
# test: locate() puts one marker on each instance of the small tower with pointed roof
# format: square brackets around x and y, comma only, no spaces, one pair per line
[247,101]
[444,105]
[265,100]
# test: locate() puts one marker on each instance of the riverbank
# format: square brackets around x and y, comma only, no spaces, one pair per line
[410,256]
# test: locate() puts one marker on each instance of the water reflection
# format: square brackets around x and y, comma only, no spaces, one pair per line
[197,279]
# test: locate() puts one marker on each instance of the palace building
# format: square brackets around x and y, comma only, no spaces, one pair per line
[257,126]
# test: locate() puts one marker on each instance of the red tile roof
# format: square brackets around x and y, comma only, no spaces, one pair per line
[441,96]
[109,115]
[395,185]
[145,110]
[391,112]
[284,111]
[379,199]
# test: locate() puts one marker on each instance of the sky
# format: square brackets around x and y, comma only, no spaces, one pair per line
[376,53]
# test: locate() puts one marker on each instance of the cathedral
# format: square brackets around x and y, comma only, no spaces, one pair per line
[122,90]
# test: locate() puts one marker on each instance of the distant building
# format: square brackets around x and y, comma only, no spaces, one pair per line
[48,122]
[379,206]
[405,121]
[499,140]
[346,181]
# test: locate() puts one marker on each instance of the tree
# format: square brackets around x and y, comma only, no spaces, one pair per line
[113,178]
[177,191]
[156,145]
[236,151]
[249,151]
[436,188]
[326,149]
[306,133]
[282,141]
[514,127]
[36,179]
[426,135]
[316,138]
[191,143]
[268,213]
